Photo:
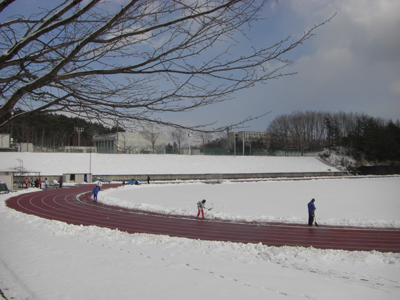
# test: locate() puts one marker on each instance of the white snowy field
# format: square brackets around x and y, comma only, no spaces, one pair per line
[364,202]
[43,259]
[111,164]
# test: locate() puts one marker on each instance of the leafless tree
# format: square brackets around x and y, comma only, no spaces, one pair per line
[315,130]
[123,145]
[279,131]
[102,62]
[151,133]
[297,130]
[178,136]
[205,137]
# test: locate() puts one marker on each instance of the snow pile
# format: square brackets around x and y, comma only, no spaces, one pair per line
[340,161]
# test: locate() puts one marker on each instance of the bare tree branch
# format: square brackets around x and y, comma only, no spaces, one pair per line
[4,4]
[134,62]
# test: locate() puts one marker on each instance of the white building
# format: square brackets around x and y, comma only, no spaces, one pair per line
[247,136]
[25,147]
[4,140]
[130,142]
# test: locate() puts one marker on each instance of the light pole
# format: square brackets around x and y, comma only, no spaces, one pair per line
[189,135]
[21,169]
[79,130]
[244,141]
[90,156]
[234,143]
[90,165]
[11,130]
[21,166]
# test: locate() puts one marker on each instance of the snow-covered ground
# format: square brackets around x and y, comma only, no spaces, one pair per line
[111,164]
[364,202]
[44,259]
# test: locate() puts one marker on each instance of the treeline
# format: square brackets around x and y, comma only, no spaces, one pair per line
[362,136]
[51,131]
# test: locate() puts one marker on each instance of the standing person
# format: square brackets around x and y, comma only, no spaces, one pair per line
[99,184]
[46,183]
[26,182]
[148,179]
[40,183]
[200,206]
[60,182]
[95,192]
[311,212]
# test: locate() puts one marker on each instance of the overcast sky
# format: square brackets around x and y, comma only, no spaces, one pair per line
[351,65]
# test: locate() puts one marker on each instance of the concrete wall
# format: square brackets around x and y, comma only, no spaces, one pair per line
[233,176]
[162,177]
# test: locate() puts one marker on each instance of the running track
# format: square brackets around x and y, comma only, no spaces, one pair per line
[67,206]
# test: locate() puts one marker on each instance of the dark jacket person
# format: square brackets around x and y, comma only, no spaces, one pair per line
[311,212]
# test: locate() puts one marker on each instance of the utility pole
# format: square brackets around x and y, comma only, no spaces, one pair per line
[117,138]
[234,143]
[244,140]
[79,130]
[189,135]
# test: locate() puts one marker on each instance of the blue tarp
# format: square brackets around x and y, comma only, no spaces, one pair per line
[133,182]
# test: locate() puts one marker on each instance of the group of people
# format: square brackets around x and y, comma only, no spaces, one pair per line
[201,205]
[36,183]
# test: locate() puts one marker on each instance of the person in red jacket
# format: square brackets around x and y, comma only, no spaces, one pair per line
[200,206]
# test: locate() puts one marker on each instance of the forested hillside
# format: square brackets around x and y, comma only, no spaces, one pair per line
[361,136]
[357,135]
[50,131]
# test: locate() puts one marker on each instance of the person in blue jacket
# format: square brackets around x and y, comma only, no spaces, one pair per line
[95,192]
[311,212]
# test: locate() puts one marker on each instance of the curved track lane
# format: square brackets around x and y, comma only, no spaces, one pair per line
[72,206]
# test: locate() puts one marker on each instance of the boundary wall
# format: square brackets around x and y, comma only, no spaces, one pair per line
[230,176]
[204,177]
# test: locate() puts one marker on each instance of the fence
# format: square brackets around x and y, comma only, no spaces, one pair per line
[248,152]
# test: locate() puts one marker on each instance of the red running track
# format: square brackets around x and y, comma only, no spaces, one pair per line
[67,206]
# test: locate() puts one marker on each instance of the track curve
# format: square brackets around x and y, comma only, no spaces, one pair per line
[74,206]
